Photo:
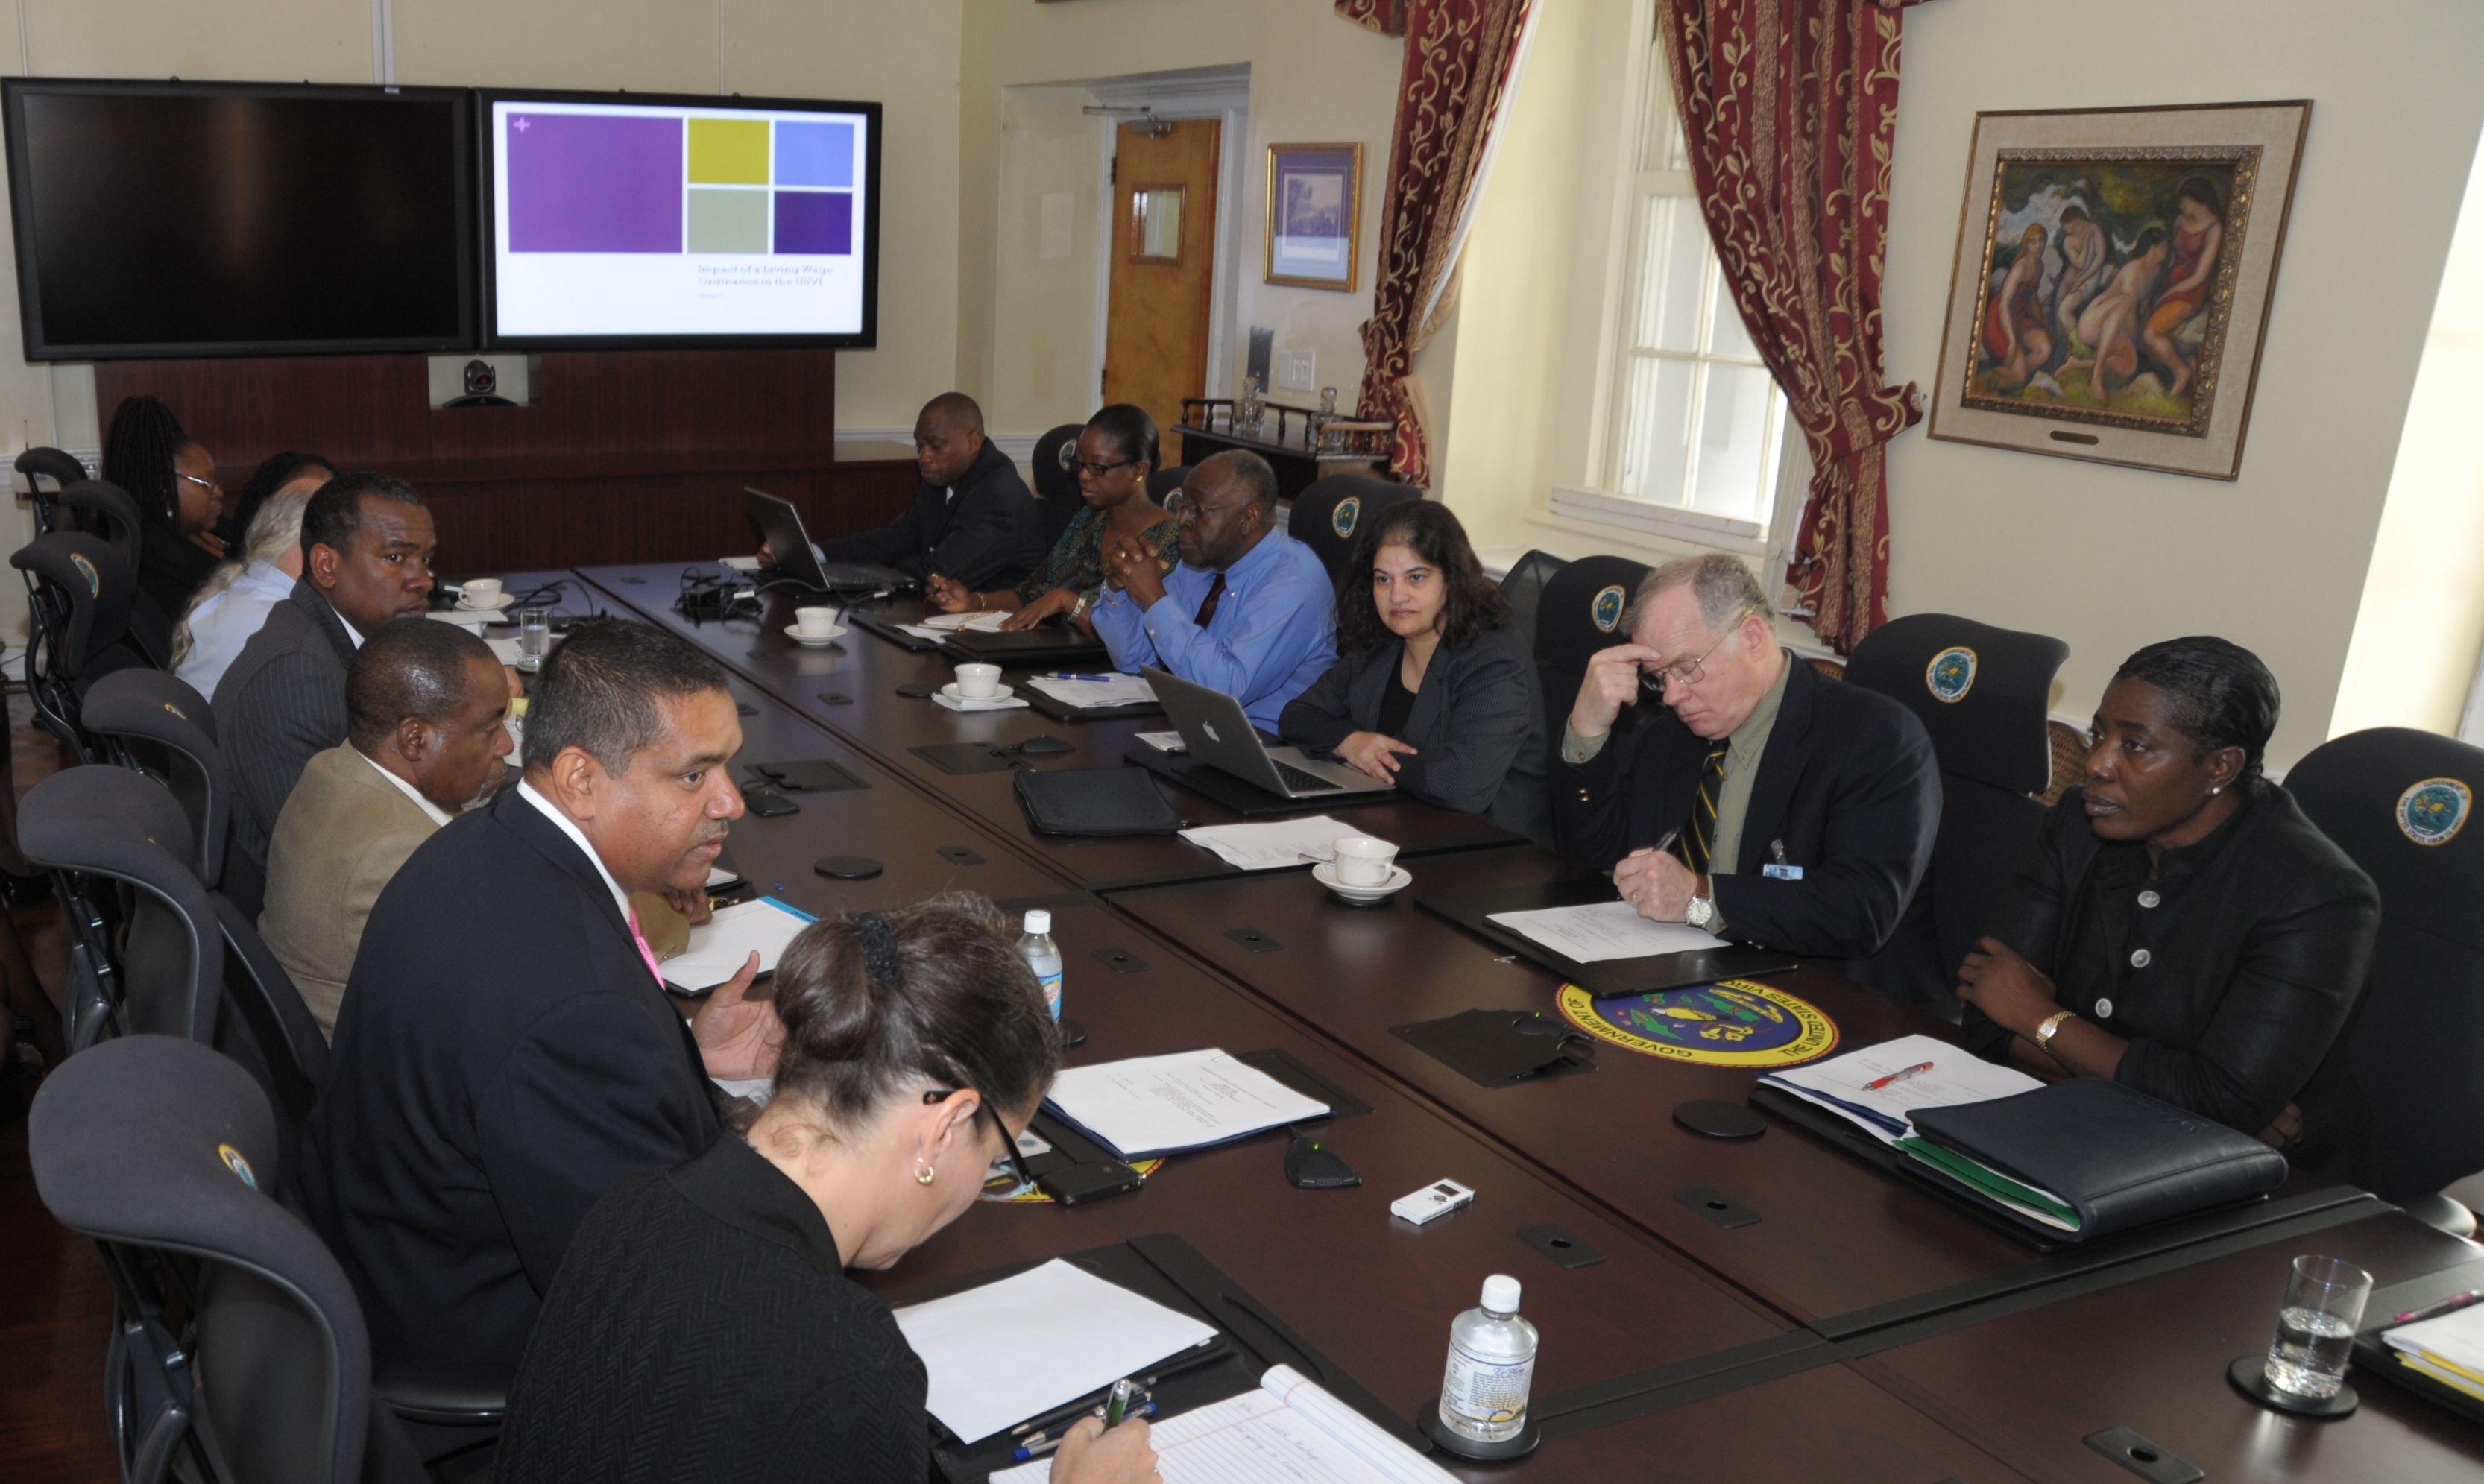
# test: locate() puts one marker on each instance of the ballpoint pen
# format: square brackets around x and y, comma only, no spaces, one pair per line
[1075,675]
[1899,1075]
[2455,1301]
[1205,1355]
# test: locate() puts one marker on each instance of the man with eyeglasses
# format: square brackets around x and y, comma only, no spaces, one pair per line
[973,520]
[1754,798]
[1248,610]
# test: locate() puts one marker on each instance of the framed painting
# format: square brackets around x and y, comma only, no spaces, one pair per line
[2114,273]
[1314,215]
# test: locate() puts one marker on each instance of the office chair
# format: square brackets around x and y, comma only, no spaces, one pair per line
[1981,693]
[2401,803]
[78,597]
[238,1349]
[1164,485]
[159,725]
[62,470]
[1056,483]
[105,510]
[1522,584]
[1331,510]
[1580,611]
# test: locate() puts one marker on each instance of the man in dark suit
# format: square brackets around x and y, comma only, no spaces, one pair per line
[1768,805]
[366,549]
[506,1051]
[972,521]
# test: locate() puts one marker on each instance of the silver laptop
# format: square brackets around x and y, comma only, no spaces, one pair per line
[782,525]
[1215,731]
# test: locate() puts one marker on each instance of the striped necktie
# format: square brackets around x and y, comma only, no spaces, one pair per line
[1699,836]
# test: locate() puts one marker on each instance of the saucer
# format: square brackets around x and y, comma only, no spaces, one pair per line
[825,636]
[999,693]
[1399,875]
[492,606]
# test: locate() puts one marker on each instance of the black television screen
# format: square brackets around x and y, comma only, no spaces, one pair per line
[204,219]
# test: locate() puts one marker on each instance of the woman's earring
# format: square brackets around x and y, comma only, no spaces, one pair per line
[2216,788]
[926,1175]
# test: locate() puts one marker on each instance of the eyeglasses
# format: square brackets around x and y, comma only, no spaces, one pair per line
[208,485]
[983,1106]
[1687,673]
[1098,470]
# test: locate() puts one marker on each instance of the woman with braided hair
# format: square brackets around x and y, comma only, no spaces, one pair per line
[172,482]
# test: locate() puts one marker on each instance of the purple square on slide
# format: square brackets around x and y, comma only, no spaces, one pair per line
[594,183]
[815,221]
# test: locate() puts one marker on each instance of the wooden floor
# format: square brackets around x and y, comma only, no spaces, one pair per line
[55,1301]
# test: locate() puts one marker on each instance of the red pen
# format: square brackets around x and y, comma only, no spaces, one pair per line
[2430,1310]
[1877,1083]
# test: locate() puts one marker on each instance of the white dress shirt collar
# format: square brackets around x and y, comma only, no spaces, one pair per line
[578,837]
[430,809]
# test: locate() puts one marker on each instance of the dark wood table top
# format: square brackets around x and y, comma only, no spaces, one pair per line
[866,670]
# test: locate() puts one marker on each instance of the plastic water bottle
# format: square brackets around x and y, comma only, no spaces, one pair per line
[1043,956]
[1492,1364]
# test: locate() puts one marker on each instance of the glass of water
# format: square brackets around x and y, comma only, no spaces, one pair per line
[2324,1303]
[534,638]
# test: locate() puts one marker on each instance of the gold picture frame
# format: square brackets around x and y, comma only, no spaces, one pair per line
[1314,216]
[2111,289]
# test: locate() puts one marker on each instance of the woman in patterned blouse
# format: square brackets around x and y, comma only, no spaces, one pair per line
[1114,455]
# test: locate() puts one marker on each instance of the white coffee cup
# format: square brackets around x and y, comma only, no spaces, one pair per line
[1362,861]
[480,591]
[975,682]
[815,621]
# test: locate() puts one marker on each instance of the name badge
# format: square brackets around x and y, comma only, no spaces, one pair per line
[1779,870]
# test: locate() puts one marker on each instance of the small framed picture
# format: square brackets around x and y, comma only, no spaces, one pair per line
[1314,215]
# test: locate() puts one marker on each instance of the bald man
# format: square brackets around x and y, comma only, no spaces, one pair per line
[972,521]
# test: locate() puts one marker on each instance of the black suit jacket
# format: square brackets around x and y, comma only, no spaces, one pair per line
[989,535]
[281,703]
[503,1059]
[1848,783]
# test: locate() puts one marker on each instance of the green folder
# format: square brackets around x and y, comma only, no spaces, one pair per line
[1984,1178]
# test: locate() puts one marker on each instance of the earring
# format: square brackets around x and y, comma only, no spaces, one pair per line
[926,1175]
[2216,788]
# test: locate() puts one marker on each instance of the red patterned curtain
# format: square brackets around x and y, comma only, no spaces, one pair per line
[1461,56]
[1789,107]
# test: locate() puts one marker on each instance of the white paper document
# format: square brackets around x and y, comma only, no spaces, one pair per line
[739,563]
[2454,1339]
[1115,690]
[1954,1075]
[1152,1105]
[506,651]
[476,619]
[1002,1353]
[1164,742]
[1605,930]
[718,876]
[1265,847]
[723,943]
[1288,1431]
[985,622]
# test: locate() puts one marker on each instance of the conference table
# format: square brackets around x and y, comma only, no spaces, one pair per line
[1908,1338]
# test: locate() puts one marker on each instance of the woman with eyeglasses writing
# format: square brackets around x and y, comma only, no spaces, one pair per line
[1114,455]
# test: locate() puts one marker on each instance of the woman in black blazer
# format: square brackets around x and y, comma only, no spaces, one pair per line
[702,1325]
[1433,688]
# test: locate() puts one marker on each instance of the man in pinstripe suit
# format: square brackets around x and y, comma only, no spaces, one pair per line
[366,549]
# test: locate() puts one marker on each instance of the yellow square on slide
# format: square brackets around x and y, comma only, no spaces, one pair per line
[729,151]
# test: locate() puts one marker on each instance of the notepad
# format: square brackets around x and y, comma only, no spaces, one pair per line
[985,622]
[2450,1348]
[1288,1431]
[1002,1353]
[1605,930]
[722,944]
[1151,1105]
[1957,1076]
[1117,690]
[1294,842]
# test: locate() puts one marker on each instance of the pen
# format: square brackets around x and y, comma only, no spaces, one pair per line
[1044,1443]
[2455,1301]
[1877,1083]
[1118,1405]
[1072,675]
[1207,1356]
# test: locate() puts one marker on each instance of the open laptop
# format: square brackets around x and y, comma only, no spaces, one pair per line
[782,525]
[1216,732]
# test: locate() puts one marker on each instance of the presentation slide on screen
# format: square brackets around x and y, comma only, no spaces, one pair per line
[636,221]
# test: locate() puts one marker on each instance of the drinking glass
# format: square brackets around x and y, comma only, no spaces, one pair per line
[534,638]
[2324,1303]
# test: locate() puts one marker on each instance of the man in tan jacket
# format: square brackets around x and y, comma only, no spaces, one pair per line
[426,706]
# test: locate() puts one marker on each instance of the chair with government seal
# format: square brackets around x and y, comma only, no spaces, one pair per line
[2401,803]
[79,593]
[1056,481]
[1983,694]
[1580,613]
[1329,511]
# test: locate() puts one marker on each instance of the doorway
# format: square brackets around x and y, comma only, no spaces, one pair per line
[1160,252]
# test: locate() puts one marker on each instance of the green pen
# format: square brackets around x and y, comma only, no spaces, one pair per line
[1118,1405]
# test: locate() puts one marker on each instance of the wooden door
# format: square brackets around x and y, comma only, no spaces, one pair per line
[1163,244]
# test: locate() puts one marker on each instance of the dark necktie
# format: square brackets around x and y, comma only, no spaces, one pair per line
[1215,596]
[1700,836]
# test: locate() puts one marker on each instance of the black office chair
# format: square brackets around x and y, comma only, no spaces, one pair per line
[1330,512]
[62,469]
[238,1349]
[1056,483]
[157,724]
[1522,584]
[105,510]
[1580,613]
[1164,485]
[2402,804]
[1981,693]
[78,597]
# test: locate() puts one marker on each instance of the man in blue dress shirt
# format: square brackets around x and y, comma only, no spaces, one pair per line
[1248,612]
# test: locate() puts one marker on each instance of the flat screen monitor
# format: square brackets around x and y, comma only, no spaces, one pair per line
[624,220]
[163,219]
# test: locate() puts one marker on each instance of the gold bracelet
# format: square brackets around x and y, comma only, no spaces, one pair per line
[2051,1027]
[979,603]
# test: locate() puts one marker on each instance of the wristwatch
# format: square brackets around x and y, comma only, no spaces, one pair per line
[1702,909]
[2052,1025]
[1078,609]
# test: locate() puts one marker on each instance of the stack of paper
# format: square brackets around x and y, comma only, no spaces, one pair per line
[739,563]
[1605,930]
[1002,1353]
[2449,1349]
[1080,690]
[723,943]
[1288,1429]
[1294,842]
[1164,742]
[1152,1105]
[1951,1075]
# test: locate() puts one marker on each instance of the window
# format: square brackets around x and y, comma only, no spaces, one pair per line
[1696,424]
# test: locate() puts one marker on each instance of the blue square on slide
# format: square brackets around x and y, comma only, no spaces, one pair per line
[814,154]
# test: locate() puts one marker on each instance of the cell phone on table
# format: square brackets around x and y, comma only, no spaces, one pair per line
[767,804]
[1090,1182]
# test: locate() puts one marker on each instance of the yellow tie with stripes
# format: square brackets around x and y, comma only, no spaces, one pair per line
[1699,839]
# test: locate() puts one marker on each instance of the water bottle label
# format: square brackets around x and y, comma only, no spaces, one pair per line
[1051,993]
[1484,1392]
